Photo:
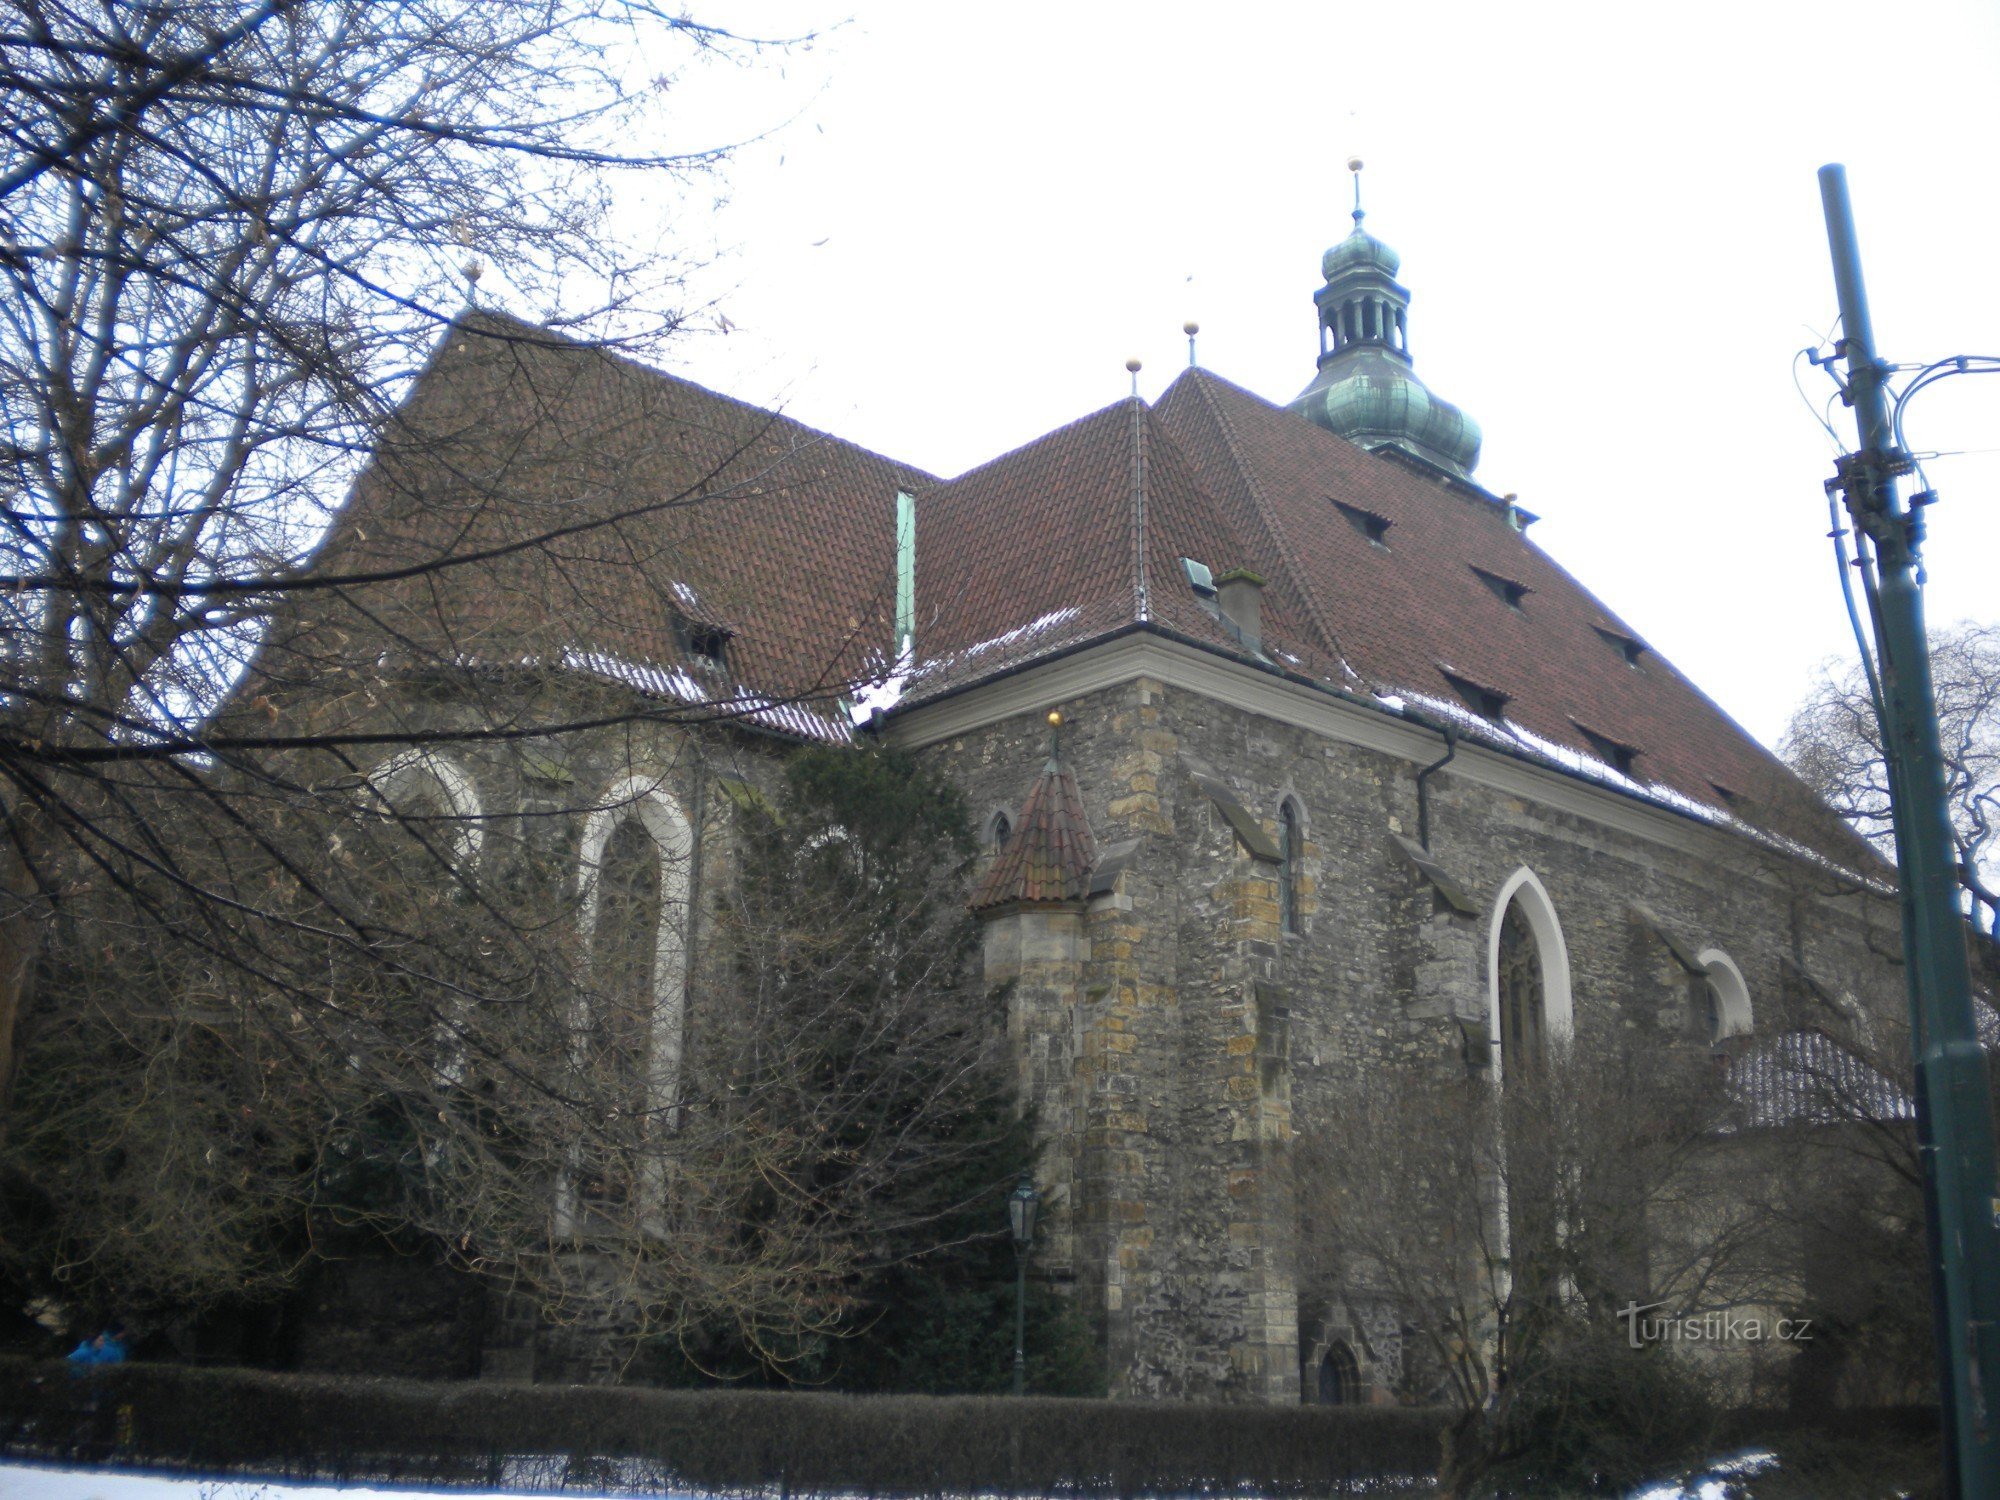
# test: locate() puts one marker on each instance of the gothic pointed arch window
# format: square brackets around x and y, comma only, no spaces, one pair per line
[1528,976]
[624,959]
[1339,1376]
[413,856]
[434,803]
[1523,1001]
[627,1035]
[1722,999]
[1290,839]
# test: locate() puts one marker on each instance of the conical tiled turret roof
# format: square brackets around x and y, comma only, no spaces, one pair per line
[1049,856]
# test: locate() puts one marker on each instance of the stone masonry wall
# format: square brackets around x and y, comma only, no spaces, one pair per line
[1200,1029]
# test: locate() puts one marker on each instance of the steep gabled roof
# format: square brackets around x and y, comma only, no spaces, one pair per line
[1412,615]
[1384,580]
[1077,536]
[679,515]
[648,514]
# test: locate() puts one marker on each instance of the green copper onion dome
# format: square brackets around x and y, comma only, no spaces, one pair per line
[1360,251]
[1376,402]
[1365,390]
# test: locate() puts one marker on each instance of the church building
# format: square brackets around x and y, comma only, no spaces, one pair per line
[1294,758]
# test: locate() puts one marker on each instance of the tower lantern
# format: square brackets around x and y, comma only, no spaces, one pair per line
[1366,390]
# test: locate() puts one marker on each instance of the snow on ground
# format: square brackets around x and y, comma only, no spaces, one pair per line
[1717,1482]
[24,1482]
[31,1482]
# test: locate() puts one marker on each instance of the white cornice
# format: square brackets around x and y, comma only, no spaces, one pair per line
[1235,685]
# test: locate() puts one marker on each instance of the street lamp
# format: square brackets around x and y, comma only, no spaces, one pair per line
[1021,1204]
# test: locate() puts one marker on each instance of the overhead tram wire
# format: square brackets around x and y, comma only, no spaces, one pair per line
[1863,560]
[1837,530]
[1927,376]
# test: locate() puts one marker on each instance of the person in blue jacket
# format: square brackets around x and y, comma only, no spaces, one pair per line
[107,1348]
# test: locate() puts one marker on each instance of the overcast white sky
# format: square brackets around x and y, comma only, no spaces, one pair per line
[1608,217]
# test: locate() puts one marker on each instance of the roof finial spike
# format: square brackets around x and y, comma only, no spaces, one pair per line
[1134,366]
[1055,735]
[1191,328]
[1354,166]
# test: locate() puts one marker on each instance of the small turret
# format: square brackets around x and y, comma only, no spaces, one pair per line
[1365,390]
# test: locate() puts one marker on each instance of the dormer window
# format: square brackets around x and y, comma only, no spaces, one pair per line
[703,642]
[1506,590]
[1623,644]
[1487,702]
[1620,756]
[1199,578]
[1370,525]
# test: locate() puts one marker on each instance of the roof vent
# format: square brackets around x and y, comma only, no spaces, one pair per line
[703,642]
[1487,702]
[1370,525]
[1620,756]
[1625,645]
[1506,589]
[1198,576]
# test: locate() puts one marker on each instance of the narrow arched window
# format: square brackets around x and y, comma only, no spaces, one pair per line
[1339,1377]
[413,856]
[1708,1015]
[1721,1000]
[998,827]
[1288,867]
[624,959]
[1523,1047]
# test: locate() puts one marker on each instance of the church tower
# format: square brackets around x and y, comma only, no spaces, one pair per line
[1365,390]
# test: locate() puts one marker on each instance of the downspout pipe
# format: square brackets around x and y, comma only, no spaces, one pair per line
[1423,785]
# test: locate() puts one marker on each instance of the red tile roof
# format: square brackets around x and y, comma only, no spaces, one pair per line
[657,503]
[1079,534]
[716,511]
[1407,616]
[1076,536]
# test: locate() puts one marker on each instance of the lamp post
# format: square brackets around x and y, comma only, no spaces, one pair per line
[1021,1204]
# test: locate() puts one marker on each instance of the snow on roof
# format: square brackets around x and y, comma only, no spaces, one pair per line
[784,716]
[883,689]
[1508,736]
[1020,635]
[1014,647]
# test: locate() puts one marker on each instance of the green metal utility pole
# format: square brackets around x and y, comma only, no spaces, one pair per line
[1958,1154]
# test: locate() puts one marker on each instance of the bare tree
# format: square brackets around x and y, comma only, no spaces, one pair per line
[231,232]
[1512,1228]
[334,613]
[716,1156]
[1835,745]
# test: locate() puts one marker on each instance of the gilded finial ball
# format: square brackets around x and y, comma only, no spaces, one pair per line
[1055,718]
[1354,164]
[1133,365]
[1190,328]
[474,269]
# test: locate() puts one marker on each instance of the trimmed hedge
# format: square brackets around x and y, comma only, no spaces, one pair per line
[731,1442]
